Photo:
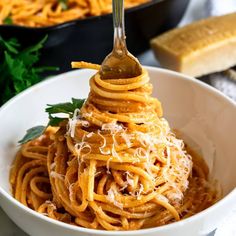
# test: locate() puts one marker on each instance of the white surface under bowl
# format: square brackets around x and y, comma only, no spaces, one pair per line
[205,117]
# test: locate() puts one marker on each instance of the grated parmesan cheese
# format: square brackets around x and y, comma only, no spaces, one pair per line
[138,194]
[84,123]
[50,203]
[89,135]
[101,148]
[80,146]
[114,153]
[127,139]
[108,165]
[52,166]
[72,123]
[113,127]
[71,191]
[162,198]
[130,181]
[111,198]
[55,175]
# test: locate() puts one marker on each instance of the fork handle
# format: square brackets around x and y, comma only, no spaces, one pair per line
[119,46]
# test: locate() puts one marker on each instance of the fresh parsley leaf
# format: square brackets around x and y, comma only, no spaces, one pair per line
[8,21]
[11,45]
[66,108]
[17,67]
[32,133]
[55,121]
[78,103]
[17,70]
[64,4]
[30,55]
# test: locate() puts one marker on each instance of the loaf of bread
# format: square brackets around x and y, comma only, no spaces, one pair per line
[201,48]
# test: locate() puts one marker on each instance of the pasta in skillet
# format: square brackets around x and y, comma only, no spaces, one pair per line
[40,13]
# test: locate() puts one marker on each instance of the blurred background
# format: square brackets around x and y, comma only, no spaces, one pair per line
[91,37]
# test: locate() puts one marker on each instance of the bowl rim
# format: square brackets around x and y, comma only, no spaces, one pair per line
[158,229]
[84,20]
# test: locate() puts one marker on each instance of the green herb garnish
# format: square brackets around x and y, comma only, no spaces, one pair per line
[65,109]
[32,133]
[17,67]
[8,21]
[64,4]
[11,45]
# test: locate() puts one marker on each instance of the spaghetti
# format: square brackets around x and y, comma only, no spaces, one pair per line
[115,165]
[40,13]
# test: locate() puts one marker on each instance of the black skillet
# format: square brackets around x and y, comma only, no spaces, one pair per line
[91,39]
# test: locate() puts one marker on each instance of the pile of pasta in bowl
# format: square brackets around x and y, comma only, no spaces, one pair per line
[114,164]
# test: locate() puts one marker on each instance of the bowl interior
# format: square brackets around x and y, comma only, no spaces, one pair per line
[204,118]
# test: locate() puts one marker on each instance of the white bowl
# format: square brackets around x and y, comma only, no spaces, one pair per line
[205,116]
